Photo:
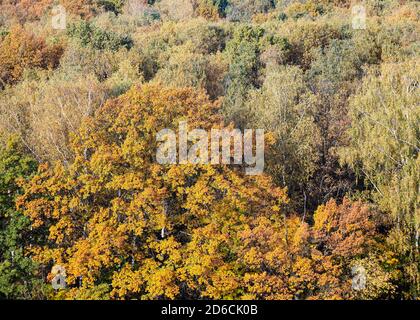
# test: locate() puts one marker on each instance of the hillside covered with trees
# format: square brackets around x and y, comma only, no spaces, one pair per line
[80,187]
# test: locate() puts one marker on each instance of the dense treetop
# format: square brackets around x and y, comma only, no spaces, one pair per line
[80,186]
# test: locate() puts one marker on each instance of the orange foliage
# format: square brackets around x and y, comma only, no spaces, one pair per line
[83,8]
[184,231]
[20,50]
[23,11]
[115,211]
[345,229]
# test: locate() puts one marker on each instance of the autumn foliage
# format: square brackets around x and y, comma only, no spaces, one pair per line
[154,231]
[20,50]
[335,215]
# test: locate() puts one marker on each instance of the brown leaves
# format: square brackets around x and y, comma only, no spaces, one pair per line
[344,230]
[20,50]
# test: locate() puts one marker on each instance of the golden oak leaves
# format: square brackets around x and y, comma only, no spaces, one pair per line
[115,214]
[115,217]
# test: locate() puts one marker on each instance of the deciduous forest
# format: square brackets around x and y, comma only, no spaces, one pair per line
[80,187]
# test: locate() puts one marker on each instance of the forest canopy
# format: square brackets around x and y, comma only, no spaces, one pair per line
[80,187]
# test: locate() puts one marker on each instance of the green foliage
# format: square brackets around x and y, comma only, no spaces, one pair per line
[242,53]
[385,137]
[194,37]
[111,5]
[284,107]
[384,148]
[221,5]
[90,35]
[185,68]
[337,63]
[243,10]
[18,273]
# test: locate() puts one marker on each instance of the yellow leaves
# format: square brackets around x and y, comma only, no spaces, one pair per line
[161,283]
[309,7]
[154,229]
[176,177]
[151,281]
[379,280]
[303,276]
[199,198]
[406,13]
[275,208]
[324,215]
[223,284]
[167,250]
[264,286]
[89,255]
[35,208]
[126,282]
[207,10]
[253,258]
[100,292]
[62,230]
[204,255]
[298,233]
